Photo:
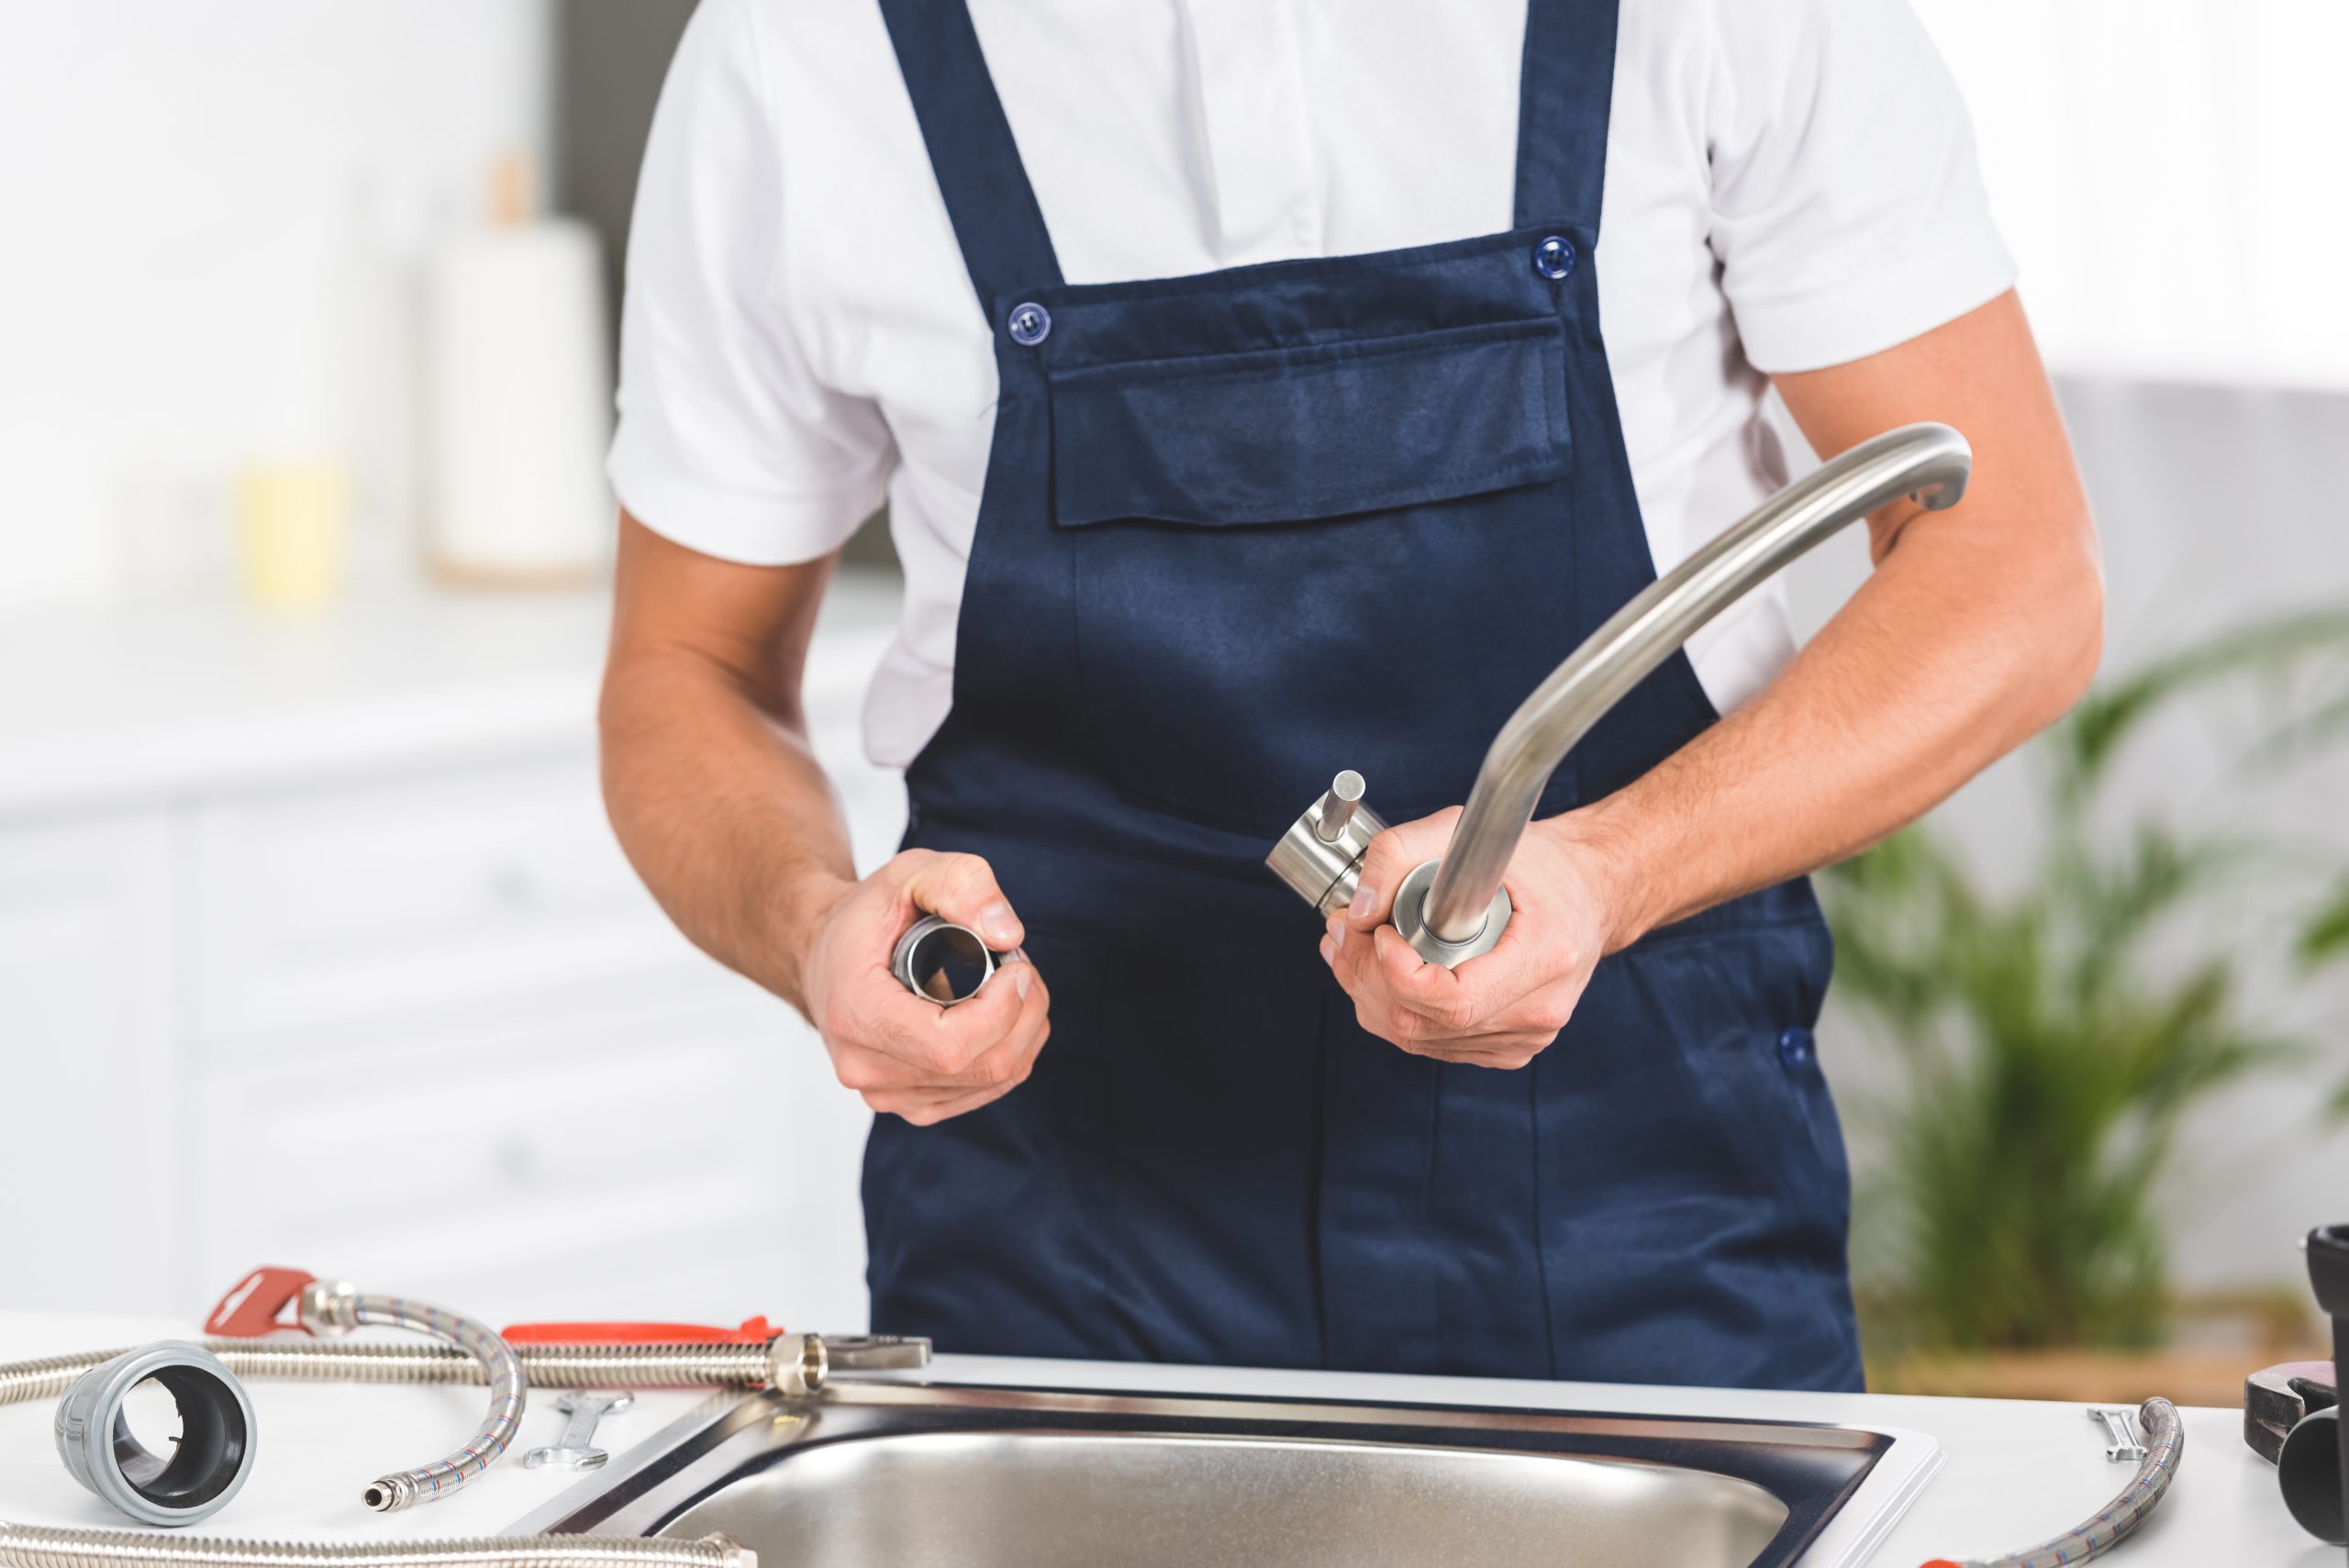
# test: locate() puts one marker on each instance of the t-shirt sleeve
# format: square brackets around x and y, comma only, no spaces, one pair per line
[1849,212]
[728,442]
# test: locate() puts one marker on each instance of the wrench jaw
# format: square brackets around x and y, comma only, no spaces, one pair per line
[581,1459]
[576,1449]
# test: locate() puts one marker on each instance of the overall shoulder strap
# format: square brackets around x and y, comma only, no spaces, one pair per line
[1565,90]
[996,220]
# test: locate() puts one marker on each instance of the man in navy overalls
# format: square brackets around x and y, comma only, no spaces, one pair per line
[1240,528]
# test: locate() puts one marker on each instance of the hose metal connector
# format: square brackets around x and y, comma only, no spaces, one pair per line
[389,1493]
[328,1306]
[798,1365]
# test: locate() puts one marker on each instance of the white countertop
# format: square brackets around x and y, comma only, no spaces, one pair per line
[132,704]
[2016,1471]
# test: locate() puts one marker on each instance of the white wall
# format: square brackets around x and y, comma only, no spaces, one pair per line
[192,193]
[2168,173]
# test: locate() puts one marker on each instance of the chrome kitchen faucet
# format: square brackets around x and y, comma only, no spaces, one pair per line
[1453,907]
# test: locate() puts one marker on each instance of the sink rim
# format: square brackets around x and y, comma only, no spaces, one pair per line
[733,1436]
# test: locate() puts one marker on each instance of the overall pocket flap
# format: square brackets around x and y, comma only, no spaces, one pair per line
[1290,434]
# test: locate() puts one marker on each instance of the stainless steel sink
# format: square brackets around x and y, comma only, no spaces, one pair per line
[908,1475]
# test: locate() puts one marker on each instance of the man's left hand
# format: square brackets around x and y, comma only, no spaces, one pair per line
[1501,1008]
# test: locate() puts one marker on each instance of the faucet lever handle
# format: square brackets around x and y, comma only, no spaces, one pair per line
[1338,805]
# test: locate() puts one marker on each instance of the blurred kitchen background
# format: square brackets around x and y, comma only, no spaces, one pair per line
[315,947]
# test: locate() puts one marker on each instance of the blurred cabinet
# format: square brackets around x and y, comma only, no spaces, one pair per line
[88,1137]
[446,889]
[414,1023]
[657,1139]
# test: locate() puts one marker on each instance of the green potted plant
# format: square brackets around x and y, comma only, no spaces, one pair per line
[2049,1041]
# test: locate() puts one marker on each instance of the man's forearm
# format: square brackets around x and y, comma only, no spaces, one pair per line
[707,773]
[723,810]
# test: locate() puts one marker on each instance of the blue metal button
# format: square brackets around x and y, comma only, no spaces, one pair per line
[1029,324]
[1554,257]
[1794,1046]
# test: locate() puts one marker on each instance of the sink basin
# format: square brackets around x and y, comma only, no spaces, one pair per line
[929,1476]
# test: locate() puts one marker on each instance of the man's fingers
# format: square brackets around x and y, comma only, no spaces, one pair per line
[929,1108]
[1389,859]
[1431,1011]
[1001,1069]
[871,1071]
[1504,1054]
[1486,987]
[1009,1060]
[961,888]
[1008,1064]
[943,1043]
[1498,1009]
[1453,1000]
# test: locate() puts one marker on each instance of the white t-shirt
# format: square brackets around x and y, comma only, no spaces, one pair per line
[1790,183]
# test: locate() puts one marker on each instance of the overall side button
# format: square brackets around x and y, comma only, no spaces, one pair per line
[1029,323]
[1553,258]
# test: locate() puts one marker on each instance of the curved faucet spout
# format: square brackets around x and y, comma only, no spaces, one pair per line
[1930,463]
[1453,908]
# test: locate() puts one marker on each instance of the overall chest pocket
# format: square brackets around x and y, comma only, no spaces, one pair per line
[1256,538]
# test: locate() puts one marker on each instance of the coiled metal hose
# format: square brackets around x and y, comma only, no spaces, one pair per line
[545,1366]
[2165,1444]
[22,1546]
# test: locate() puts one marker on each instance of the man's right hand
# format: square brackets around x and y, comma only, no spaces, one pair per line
[905,1054]
[719,802]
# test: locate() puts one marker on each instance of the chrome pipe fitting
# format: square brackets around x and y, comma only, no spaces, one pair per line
[327,1308]
[1456,906]
[1409,920]
[390,1494]
[944,962]
[798,1365]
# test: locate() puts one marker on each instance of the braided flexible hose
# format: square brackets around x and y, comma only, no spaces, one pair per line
[2165,1444]
[317,1360]
[507,1392]
[24,1546]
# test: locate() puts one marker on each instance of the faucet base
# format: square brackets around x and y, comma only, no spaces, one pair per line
[1410,917]
[1320,855]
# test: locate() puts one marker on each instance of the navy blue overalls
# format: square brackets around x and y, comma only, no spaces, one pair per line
[1240,531]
